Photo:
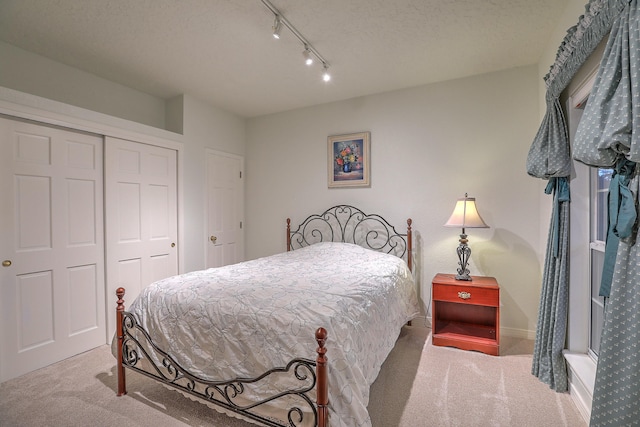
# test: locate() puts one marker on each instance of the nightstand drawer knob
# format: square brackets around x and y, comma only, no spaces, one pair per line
[464,295]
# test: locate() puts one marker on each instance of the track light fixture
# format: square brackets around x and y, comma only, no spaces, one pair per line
[277,27]
[308,59]
[309,51]
[325,74]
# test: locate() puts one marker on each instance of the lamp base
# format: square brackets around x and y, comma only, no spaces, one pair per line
[464,253]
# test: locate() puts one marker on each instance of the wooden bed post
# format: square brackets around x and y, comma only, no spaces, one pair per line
[409,246]
[288,234]
[322,388]
[122,388]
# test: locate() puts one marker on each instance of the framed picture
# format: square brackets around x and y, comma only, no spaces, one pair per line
[349,160]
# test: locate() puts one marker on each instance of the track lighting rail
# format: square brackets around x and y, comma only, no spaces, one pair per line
[305,43]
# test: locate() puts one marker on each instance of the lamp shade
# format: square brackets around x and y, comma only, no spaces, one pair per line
[465,215]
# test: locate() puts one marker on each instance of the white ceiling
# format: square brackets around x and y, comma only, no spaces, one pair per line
[222,51]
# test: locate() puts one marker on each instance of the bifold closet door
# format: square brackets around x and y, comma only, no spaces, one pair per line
[141,218]
[51,245]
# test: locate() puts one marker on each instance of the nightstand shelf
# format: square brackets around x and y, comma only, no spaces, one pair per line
[466,314]
[466,331]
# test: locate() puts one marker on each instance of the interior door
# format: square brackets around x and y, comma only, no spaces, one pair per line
[141,218]
[225,209]
[51,245]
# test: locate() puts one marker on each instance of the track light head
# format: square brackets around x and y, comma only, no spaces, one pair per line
[277,27]
[325,74]
[308,59]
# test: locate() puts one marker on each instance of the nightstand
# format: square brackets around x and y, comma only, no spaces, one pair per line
[466,314]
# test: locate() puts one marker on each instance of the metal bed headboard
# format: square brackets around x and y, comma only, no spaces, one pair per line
[348,224]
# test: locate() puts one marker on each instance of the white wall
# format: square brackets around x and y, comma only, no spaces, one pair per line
[429,145]
[34,74]
[204,127]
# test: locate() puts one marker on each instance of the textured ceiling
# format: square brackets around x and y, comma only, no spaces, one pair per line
[222,52]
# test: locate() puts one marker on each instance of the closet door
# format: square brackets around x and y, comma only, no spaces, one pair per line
[141,218]
[51,246]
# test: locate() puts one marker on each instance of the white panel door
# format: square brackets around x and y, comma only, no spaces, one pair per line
[225,209]
[51,246]
[141,218]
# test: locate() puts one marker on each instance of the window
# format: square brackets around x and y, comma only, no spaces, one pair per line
[588,217]
[589,189]
[600,179]
[587,236]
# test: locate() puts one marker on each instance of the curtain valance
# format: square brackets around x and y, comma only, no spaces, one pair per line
[580,42]
[550,154]
[606,131]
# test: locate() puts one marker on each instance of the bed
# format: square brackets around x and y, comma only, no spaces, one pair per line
[293,339]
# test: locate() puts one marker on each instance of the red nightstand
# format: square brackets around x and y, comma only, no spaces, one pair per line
[466,314]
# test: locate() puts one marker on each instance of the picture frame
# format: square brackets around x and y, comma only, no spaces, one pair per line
[349,160]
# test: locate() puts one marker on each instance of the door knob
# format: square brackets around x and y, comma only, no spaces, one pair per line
[6,263]
[173,245]
[213,239]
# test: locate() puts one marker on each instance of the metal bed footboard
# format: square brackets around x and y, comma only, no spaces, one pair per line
[135,345]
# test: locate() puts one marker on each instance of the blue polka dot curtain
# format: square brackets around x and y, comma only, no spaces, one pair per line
[550,158]
[609,136]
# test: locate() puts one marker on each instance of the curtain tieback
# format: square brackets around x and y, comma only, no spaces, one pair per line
[560,188]
[622,217]
[621,207]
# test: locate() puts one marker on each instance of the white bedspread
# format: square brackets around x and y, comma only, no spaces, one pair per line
[250,317]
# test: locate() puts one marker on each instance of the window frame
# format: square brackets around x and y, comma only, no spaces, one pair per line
[580,235]
[598,234]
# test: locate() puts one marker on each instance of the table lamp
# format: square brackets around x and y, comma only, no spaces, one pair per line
[465,215]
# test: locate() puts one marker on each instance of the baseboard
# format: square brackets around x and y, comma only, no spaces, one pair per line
[517,333]
[582,374]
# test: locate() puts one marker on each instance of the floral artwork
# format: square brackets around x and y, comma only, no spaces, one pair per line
[349,160]
[347,157]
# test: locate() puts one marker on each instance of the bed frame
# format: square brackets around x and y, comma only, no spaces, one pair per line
[347,224]
[341,223]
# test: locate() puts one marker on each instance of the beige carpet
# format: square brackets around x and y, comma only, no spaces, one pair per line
[419,385]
